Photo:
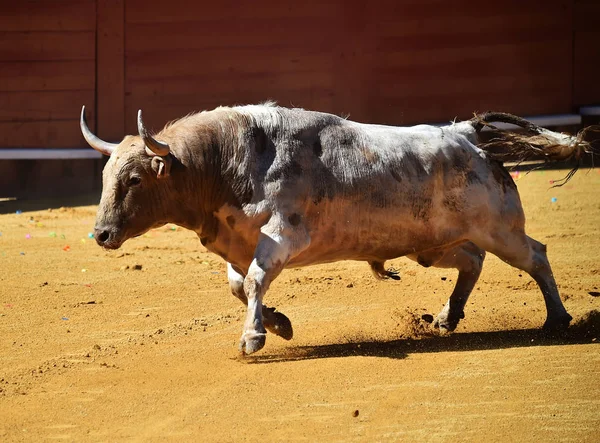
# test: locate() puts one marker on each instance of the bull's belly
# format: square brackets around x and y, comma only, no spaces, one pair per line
[373,237]
[409,220]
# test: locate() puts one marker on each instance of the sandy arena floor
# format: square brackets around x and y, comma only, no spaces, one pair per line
[140,344]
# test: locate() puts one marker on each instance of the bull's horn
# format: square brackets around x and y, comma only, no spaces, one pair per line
[98,144]
[159,148]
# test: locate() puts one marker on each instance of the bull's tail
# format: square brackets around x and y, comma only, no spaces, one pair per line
[534,143]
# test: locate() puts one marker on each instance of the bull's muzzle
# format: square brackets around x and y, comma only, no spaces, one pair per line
[106,238]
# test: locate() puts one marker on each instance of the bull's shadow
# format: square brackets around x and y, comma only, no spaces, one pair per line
[470,341]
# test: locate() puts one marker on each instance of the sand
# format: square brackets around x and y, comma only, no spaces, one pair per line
[140,344]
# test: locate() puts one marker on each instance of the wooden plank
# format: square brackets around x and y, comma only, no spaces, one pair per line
[189,94]
[502,27]
[586,57]
[160,90]
[427,8]
[316,34]
[157,116]
[499,25]
[586,66]
[48,15]
[215,63]
[180,11]
[43,46]
[41,134]
[417,60]
[586,16]
[531,99]
[415,110]
[171,107]
[526,61]
[474,59]
[433,87]
[47,76]
[45,105]
[110,69]
[138,11]
[468,39]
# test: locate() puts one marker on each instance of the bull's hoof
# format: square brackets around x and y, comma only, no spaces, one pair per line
[442,329]
[447,324]
[557,323]
[282,326]
[393,274]
[252,342]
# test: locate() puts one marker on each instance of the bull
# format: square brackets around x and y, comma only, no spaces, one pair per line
[267,187]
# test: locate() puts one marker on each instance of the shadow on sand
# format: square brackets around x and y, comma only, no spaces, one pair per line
[583,332]
[39,204]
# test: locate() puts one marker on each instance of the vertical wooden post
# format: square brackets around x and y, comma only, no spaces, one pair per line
[110,69]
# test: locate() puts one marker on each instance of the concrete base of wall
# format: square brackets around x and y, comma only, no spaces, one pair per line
[50,178]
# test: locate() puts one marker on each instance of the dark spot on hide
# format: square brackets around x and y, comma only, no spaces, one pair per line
[210,229]
[426,262]
[338,137]
[235,189]
[317,148]
[286,170]
[295,168]
[473,178]
[502,176]
[309,138]
[346,137]
[230,221]
[294,219]
[319,194]
[452,202]
[396,175]
[242,189]
[378,199]
[261,141]
[421,207]
[409,165]
[265,148]
[459,163]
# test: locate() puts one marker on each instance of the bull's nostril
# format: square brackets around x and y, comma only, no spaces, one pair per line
[102,236]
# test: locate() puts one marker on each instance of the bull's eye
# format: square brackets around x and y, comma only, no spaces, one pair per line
[134,181]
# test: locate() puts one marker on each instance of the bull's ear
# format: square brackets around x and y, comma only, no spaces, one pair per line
[161,166]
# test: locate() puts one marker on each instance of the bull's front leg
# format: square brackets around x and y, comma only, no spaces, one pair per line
[279,241]
[275,322]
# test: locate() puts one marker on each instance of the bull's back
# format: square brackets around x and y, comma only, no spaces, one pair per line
[368,192]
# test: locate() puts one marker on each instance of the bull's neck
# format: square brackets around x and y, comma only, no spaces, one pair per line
[205,172]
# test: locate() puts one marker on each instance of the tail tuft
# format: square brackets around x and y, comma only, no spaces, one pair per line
[536,143]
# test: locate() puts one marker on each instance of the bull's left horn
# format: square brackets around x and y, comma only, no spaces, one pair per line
[159,148]
[98,144]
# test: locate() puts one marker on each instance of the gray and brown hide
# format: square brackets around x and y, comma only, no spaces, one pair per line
[267,188]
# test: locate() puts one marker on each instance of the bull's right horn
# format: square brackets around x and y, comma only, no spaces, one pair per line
[159,148]
[98,144]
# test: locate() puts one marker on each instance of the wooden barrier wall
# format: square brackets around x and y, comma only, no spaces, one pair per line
[586,57]
[47,70]
[395,62]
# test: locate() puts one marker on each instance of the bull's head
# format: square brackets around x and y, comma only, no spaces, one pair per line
[135,185]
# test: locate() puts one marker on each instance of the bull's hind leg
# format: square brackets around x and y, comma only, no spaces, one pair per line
[379,271]
[468,259]
[529,255]
[274,322]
